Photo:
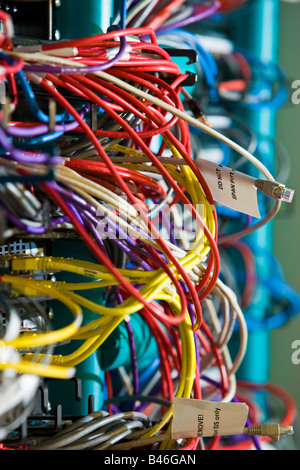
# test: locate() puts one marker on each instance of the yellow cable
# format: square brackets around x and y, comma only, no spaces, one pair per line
[154,285]
[42,370]
[90,345]
[33,339]
[187,373]
[186,178]
[75,286]
[158,281]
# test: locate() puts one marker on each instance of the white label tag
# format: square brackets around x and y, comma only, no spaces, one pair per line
[230,188]
[202,418]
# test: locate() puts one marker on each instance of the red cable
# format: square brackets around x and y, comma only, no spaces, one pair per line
[91,40]
[244,65]
[13,89]
[169,95]
[166,378]
[86,92]
[109,387]
[277,391]
[228,5]
[100,256]
[233,85]
[93,247]
[250,270]
[288,419]
[75,85]
[204,185]
[162,15]
[111,134]
[153,230]
[4,40]
[213,258]
[99,168]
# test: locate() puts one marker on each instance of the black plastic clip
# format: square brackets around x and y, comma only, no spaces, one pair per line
[191,55]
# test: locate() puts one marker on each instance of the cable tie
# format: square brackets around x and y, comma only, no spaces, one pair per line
[201,257]
[172,292]
[111,55]
[187,378]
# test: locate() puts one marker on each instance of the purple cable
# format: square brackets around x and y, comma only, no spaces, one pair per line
[133,358]
[91,213]
[22,226]
[30,229]
[73,70]
[19,155]
[98,239]
[86,215]
[41,129]
[134,366]
[235,400]
[203,14]
[248,423]
[72,197]
[113,229]
[76,212]
[89,222]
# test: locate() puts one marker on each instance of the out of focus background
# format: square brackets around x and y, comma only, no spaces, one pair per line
[287,224]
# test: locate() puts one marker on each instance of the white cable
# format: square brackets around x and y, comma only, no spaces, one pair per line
[89,192]
[39,57]
[224,291]
[189,119]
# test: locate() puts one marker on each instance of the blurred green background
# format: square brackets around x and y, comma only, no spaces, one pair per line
[287,224]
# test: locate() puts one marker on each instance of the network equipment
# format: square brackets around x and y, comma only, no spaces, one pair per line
[139,179]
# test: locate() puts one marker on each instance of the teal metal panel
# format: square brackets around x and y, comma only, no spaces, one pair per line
[89,372]
[77,18]
[255,30]
[115,351]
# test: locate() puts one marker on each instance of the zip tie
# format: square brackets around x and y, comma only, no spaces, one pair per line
[187,378]
[202,258]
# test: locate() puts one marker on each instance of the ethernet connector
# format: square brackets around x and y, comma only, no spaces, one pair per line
[275,190]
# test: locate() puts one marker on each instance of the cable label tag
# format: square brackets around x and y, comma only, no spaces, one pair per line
[201,418]
[230,188]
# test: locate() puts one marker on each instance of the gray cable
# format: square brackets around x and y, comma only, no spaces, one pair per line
[59,440]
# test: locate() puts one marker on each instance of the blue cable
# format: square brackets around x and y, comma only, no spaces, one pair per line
[30,97]
[149,371]
[206,59]
[32,103]
[279,290]
[44,139]
[270,74]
